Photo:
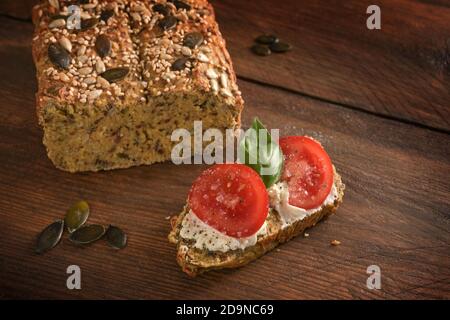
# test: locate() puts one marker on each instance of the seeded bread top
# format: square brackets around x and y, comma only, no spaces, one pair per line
[127,52]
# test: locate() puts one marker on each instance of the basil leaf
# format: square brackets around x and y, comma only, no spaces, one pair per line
[261,153]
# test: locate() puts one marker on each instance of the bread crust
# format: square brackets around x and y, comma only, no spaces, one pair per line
[194,261]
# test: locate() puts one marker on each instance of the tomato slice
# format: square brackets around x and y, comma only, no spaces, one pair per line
[231,198]
[307,170]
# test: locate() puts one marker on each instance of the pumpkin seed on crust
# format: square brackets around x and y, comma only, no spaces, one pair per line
[103,45]
[88,23]
[59,56]
[115,74]
[160,8]
[193,40]
[106,14]
[180,64]
[168,22]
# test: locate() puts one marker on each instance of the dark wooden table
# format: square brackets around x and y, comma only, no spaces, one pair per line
[378,100]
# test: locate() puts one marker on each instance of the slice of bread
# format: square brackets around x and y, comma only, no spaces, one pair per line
[194,261]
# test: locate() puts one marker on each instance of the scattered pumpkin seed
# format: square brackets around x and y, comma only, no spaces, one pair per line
[193,40]
[180,64]
[87,234]
[261,50]
[160,8]
[182,5]
[116,238]
[168,23]
[106,14]
[58,55]
[280,47]
[50,236]
[115,74]
[103,45]
[88,23]
[76,216]
[267,39]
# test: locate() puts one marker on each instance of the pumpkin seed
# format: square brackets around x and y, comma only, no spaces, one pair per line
[115,74]
[280,47]
[50,236]
[267,39]
[87,234]
[103,45]
[182,5]
[160,8]
[261,50]
[106,14]
[116,238]
[58,16]
[76,216]
[88,23]
[193,40]
[180,64]
[58,55]
[168,23]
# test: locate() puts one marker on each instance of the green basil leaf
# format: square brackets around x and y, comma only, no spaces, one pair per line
[261,153]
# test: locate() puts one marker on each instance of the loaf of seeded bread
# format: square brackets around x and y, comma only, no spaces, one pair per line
[194,261]
[112,89]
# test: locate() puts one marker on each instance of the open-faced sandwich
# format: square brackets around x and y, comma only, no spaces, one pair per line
[234,215]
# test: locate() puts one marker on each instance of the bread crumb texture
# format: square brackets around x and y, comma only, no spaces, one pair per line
[111,93]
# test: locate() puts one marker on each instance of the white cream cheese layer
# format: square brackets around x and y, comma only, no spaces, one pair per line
[279,200]
[206,237]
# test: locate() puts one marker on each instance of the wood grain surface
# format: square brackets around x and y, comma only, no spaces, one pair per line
[402,70]
[396,208]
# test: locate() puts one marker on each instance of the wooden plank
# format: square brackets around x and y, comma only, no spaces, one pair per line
[402,70]
[395,213]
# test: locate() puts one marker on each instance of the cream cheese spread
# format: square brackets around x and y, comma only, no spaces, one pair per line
[279,200]
[206,237]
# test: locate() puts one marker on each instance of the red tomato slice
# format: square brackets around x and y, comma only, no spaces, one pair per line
[307,170]
[231,198]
